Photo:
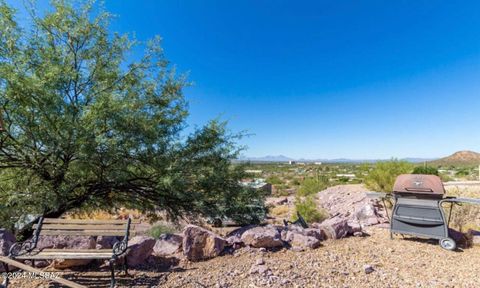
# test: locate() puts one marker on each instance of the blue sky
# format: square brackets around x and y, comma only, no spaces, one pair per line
[325,79]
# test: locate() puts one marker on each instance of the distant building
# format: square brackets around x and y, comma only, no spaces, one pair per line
[257,184]
[317,163]
[292,162]
[254,171]
[351,176]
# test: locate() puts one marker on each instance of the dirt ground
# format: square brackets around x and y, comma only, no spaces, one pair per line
[337,263]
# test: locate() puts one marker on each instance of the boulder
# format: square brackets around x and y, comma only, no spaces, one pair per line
[167,245]
[201,244]
[235,242]
[7,239]
[351,202]
[316,233]
[67,242]
[139,249]
[300,241]
[106,242]
[335,228]
[266,237]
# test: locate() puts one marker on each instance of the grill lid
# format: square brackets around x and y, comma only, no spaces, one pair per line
[419,184]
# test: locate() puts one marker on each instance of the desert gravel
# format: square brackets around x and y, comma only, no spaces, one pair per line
[371,261]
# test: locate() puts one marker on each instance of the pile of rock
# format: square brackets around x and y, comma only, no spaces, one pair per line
[350,203]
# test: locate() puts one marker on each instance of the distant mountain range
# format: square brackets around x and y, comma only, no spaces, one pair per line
[283,158]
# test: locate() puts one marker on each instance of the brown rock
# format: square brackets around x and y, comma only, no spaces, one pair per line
[351,202]
[267,237]
[139,248]
[201,244]
[106,242]
[335,228]
[299,241]
[167,245]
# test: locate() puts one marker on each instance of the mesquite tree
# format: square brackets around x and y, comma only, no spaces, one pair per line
[84,127]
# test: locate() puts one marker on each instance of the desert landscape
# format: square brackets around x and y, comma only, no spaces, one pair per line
[239,144]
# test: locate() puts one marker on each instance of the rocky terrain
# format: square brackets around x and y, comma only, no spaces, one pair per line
[351,248]
[370,261]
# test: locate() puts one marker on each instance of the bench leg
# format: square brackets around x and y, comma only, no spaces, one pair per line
[5,279]
[112,271]
[125,265]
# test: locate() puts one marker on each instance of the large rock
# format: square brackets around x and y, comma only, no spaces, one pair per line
[67,242]
[201,244]
[351,202]
[139,249]
[106,242]
[299,241]
[167,245]
[7,239]
[266,237]
[335,228]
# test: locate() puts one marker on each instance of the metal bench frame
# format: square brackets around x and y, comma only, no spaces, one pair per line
[27,250]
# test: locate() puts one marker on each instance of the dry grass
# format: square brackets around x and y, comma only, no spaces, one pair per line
[280,211]
[466,216]
[105,215]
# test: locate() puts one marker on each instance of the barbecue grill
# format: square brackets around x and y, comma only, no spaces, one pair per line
[418,208]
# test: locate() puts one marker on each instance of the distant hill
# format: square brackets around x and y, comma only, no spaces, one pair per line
[460,158]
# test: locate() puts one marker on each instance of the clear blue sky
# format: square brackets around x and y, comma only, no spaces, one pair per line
[325,79]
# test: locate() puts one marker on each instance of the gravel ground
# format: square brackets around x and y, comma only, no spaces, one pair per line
[371,261]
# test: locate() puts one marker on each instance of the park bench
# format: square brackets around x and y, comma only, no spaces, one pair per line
[75,227]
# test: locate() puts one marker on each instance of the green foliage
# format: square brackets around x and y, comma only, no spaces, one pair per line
[159,229]
[312,186]
[383,176]
[274,180]
[462,172]
[428,170]
[87,128]
[307,207]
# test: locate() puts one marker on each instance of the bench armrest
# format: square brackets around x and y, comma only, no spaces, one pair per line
[120,248]
[21,248]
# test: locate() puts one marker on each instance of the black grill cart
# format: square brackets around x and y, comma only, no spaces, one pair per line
[418,208]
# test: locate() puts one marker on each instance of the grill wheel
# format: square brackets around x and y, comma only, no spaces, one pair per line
[448,244]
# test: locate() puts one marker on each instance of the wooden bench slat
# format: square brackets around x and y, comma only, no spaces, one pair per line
[82,227]
[83,233]
[76,255]
[86,221]
[38,271]
[77,250]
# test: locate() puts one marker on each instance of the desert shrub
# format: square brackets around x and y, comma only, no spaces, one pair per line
[307,207]
[296,182]
[462,172]
[383,176]
[157,230]
[466,216]
[312,186]
[429,170]
[274,180]
[279,211]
